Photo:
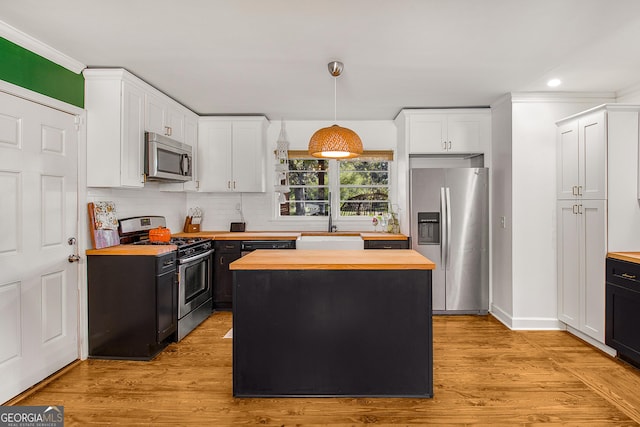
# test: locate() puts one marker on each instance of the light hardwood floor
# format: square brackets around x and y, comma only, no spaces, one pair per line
[484,374]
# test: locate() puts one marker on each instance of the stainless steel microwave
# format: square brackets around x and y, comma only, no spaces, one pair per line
[167,159]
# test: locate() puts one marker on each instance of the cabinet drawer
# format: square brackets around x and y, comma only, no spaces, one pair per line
[386,244]
[623,273]
[228,246]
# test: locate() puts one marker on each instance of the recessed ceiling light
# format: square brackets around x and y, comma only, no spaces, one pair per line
[554,83]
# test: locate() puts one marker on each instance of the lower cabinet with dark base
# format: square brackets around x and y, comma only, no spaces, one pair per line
[132,304]
[332,333]
[226,251]
[623,309]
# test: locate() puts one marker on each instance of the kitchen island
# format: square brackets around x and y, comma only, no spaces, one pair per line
[332,323]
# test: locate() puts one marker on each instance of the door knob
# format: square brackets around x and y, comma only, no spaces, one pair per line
[71,241]
[74,258]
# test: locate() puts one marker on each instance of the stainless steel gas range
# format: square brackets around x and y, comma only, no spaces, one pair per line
[194,266]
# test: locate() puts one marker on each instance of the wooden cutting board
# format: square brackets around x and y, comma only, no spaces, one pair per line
[101,238]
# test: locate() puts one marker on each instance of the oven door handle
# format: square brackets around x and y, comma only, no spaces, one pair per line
[195,258]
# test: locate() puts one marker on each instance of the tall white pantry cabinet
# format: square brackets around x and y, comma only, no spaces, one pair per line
[596,191]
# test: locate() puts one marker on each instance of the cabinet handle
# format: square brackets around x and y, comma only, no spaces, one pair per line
[229,185]
[221,260]
[580,209]
[575,209]
[234,185]
[580,190]
[444,145]
[167,131]
[449,145]
[628,276]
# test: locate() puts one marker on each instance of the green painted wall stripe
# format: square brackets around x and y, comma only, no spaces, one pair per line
[29,70]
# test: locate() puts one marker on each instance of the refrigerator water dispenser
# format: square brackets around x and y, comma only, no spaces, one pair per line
[428,228]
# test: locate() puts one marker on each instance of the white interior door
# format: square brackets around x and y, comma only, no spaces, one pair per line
[38,284]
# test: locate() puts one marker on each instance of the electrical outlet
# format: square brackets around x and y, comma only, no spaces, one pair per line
[238,207]
[503,221]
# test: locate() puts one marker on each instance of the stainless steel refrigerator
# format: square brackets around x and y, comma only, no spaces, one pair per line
[450,226]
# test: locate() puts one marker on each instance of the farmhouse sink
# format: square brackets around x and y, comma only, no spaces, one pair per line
[329,242]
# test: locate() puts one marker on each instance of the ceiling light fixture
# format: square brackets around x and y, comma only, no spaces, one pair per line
[335,142]
[554,83]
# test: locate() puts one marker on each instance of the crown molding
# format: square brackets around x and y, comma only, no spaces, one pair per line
[36,46]
[506,98]
[629,91]
[591,97]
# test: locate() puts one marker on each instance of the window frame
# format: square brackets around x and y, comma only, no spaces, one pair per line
[334,188]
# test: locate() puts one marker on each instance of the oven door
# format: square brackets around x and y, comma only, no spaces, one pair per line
[194,282]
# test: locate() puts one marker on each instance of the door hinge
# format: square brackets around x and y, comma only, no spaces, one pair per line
[78,122]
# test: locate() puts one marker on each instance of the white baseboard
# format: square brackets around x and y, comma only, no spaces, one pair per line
[501,315]
[526,323]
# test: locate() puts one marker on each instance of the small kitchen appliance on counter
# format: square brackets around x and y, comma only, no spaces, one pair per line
[194,267]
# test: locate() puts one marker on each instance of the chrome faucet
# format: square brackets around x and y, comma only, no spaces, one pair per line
[332,228]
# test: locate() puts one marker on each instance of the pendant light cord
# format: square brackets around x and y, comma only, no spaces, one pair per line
[335,99]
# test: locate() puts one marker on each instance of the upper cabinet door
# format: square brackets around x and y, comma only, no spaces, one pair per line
[176,123]
[163,116]
[582,158]
[567,163]
[466,133]
[132,149]
[428,133]
[155,114]
[592,157]
[214,156]
[249,156]
[445,132]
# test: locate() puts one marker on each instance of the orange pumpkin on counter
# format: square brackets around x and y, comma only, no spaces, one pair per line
[160,234]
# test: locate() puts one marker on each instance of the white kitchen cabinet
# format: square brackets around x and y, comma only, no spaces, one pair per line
[448,131]
[582,157]
[164,116]
[115,129]
[120,108]
[232,154]
[581,265]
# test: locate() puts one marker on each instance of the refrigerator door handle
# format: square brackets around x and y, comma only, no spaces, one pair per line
[443,226]
[448,225]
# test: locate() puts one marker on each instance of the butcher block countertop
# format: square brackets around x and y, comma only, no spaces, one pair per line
[282,259]
[625,256]
[288,235]
[148,250]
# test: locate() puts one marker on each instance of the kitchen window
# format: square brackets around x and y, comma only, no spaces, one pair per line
[360,186]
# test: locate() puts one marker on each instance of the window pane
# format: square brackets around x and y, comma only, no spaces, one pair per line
[308,180]
[364,188]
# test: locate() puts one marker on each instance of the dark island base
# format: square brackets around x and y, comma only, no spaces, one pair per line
[332,333]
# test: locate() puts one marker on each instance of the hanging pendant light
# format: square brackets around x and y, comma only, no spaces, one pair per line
[335,142]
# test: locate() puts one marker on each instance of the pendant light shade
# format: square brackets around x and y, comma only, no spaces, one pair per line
[335,142]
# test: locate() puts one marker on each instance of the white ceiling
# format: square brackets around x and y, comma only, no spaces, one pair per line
[270,56]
